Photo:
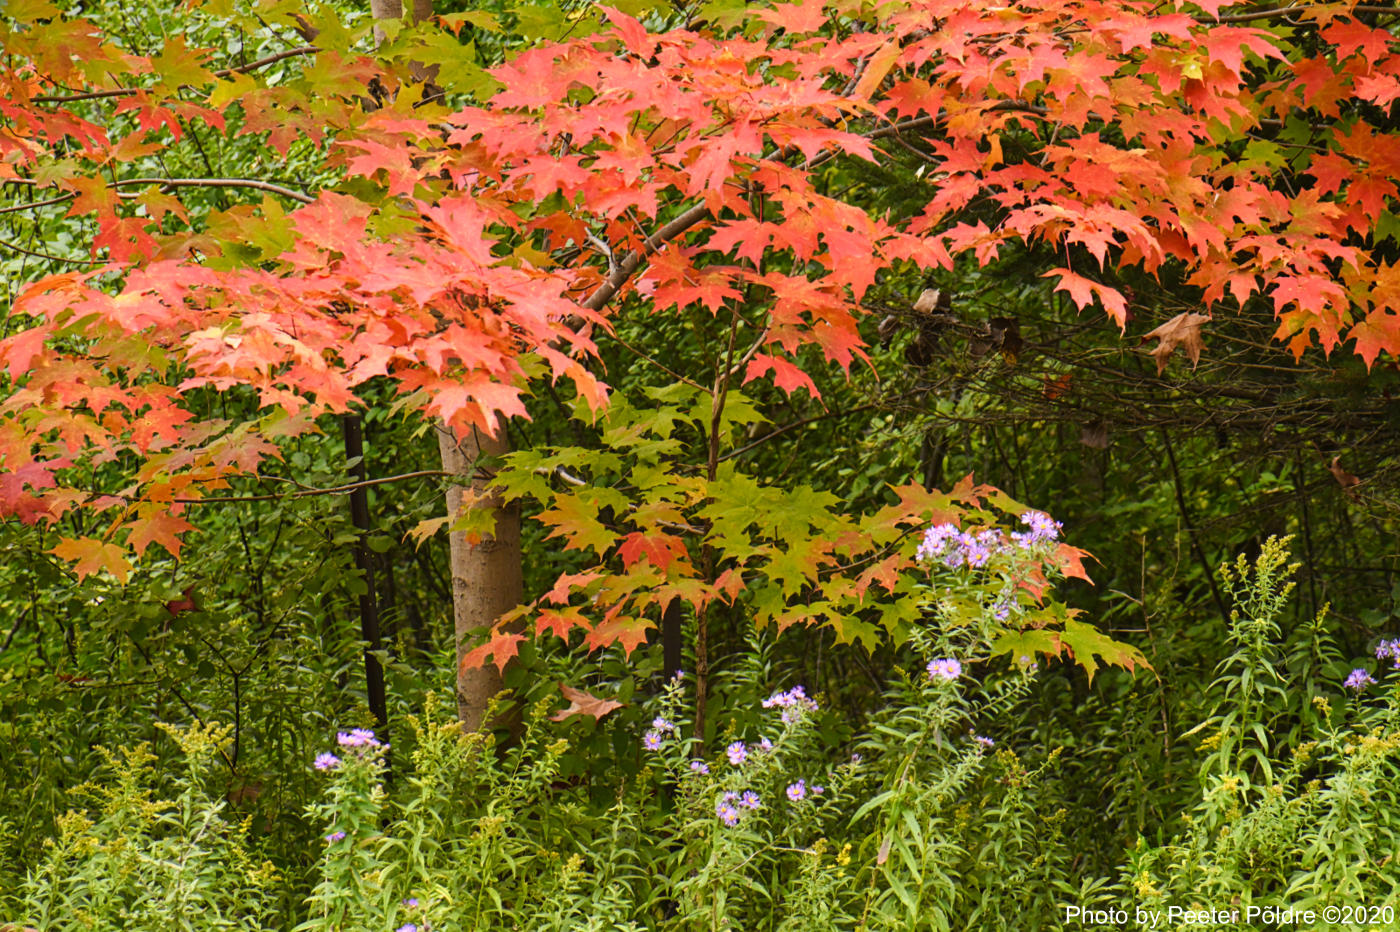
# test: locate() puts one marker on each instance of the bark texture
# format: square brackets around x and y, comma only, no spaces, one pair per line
[486,576]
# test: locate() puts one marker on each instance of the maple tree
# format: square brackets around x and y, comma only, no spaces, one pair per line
[478,246]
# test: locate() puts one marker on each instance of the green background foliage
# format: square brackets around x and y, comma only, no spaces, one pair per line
[1236,770]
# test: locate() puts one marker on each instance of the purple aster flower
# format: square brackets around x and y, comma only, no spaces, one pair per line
[700,766]
[750,800]
[794,704]
[357,738]
[411,902]
[1043,529]
[1358,680]
[818,790]
[765,745]
[326,761]
[985,742]
[726,812]
[786,700]
[737,753]
[945,669]
[797,791]
[652,741]
[407,927]
[992,538]
[661,725]
[978,548]
[335,836]
[935,543]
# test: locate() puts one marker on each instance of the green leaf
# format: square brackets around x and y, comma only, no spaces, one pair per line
[1086,642]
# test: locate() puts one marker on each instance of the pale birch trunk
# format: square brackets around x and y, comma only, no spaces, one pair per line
[486,576]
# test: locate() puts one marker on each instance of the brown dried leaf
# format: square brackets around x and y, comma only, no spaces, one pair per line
[928,301]
[1094,435]
[581,703]
[1182,332]
[1345,479]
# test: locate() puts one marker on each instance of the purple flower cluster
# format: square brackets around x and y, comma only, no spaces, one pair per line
[700,767]
[984,741]
[1359,680]
[795,703]
[1043,529]
[358,738]
[659,729]
[727,806]
[957,549]
[1389,650]
[361,740]
[944,669]
[798,791]
[737,753]
[335,836]
[974,549]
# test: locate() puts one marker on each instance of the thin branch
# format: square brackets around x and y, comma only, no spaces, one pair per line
[1206,567]
[1282,12]
[305,492]
[749,354]
[656,362]
[15,247]
[218,183]
[224,73]
[606,250]
[825,415]
[164,183]
[32,204]
[1249,17]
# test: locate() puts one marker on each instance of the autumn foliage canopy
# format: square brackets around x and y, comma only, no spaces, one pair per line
[475,244]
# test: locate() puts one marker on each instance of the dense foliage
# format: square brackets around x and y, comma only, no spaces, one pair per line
[748,290]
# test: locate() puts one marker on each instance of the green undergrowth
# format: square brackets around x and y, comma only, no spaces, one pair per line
[951,810]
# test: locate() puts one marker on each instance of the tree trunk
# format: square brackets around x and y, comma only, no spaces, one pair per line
[486,576]
[394,9]
[364,562]
[487,580]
